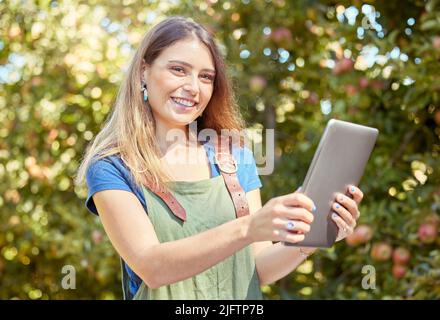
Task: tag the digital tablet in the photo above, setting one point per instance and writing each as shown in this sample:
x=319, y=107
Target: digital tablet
x=340, y=160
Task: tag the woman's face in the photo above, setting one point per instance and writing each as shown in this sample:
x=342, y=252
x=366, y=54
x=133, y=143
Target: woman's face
x=184, y=70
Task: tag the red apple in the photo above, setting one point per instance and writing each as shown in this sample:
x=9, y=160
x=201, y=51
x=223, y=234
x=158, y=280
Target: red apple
x=436, y=42
x=36, y=172
x=12, y=195
x=399, y=271
x=347, y=64
x=313, y=98
x=364, y=232
x=53, y=134
x=427, y=232
x=401, y=256
x=352, y=240
x=281, y=35
x=36, y=81
x=378, y=84
x=343, y=65
x=257, y=83
x=14, y=220
x=381, y=251
x=363, y=82
x=14, y=32
x=437, y=117
x=351, y=89
x=97, y=236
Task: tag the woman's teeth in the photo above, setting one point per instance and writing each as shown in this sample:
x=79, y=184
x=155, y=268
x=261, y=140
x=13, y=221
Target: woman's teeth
x=183, y=102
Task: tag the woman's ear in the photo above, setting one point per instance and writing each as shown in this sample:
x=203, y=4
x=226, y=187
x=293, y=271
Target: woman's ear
x=144, y=67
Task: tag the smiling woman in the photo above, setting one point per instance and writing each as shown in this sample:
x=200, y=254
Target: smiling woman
x=177, y=77
x=191, y=229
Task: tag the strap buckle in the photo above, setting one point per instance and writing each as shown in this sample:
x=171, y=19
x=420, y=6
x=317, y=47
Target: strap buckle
x=227, y=165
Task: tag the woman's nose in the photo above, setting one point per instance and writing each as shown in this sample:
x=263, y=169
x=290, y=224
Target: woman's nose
x=192, y=86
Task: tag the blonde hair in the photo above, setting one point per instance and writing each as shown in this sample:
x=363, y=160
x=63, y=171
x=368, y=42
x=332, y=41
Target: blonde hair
x=130, y=129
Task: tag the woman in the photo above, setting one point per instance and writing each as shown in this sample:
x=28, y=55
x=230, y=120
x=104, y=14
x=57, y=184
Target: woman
x=180, y=228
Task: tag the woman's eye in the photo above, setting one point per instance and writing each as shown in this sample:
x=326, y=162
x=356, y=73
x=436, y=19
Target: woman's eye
x=206, y=76
x=209, y=77
x=177, y=69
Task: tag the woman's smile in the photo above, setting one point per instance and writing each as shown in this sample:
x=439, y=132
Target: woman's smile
x=182, y=105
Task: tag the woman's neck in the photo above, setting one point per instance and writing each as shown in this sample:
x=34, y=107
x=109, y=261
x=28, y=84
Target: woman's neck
x=176, y=140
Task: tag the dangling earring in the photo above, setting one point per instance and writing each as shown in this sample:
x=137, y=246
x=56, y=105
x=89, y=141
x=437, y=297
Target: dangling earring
x=144, y=90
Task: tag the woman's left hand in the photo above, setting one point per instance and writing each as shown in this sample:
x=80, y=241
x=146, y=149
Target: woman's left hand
x=346, y=211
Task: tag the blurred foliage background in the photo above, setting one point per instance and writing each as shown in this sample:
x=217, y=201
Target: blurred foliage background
x=295, y=65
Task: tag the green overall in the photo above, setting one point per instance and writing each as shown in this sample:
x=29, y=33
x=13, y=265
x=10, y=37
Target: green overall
x=207, y=204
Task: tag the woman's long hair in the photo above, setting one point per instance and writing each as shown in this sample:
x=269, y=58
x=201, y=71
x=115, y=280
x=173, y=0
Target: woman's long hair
x=129, y=132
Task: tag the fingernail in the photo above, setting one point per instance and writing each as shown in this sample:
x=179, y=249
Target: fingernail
x=334, y=215
x=352, y=189
x=314, y=208
x=337, y=206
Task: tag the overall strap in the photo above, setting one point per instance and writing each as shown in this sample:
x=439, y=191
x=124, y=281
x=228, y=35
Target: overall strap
x=169, y=200
x=228, y=169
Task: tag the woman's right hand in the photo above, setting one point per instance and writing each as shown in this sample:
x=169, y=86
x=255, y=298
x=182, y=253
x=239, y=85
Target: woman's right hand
x=286, y=218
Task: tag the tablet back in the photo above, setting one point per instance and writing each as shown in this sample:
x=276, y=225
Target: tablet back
x=339, y=161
